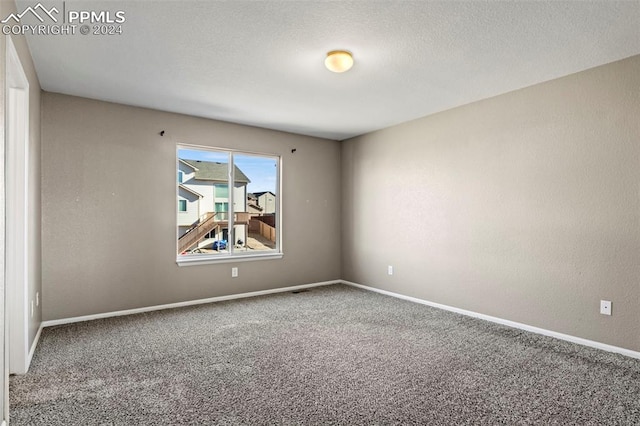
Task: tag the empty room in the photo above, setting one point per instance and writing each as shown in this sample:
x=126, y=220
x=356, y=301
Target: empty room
x=320, y=212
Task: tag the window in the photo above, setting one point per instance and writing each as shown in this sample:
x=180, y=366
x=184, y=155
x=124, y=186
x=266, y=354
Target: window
x=224, y=185
x=221, y=191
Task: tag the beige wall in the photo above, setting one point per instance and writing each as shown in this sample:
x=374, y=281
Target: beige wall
x=34, y=199
x=109, y=208
x=525, y=206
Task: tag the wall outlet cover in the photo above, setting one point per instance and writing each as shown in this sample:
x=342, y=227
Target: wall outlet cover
x=605, y=307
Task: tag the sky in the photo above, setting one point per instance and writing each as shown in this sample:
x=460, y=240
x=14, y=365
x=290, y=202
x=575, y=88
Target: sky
x=260, y=170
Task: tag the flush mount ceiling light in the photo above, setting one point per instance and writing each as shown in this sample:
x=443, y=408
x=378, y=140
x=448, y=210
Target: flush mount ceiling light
x=338, y=61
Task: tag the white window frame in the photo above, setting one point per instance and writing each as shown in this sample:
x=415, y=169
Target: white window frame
x=203, y=258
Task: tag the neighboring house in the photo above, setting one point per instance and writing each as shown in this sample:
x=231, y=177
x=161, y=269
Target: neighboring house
x=252, y=206
x=188, y=207
x=203, y=196
x=254, y=209
x=266, y=201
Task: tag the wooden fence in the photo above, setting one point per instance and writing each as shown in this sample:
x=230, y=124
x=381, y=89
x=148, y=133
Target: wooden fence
x=259, y=227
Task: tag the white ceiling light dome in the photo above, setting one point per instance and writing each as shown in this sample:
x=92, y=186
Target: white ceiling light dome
x=339, y=61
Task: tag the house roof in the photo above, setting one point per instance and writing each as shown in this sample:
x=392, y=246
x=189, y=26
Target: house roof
x=209, y=170
x=190, y=165
x=181, y=186
x=260, y=194
x=254, y=206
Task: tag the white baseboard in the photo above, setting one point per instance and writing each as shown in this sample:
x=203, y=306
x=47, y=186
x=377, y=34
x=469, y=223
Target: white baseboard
x=51, y=323
x=537, y=330
x=521, y=326
x=33, y=346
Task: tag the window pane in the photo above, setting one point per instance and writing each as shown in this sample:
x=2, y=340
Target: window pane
x=227, y=202
x=255, y=202
x=222, y=191
x=204, y=226
x=222, y=207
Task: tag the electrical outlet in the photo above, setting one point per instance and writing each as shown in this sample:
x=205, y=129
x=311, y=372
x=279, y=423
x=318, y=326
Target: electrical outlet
x=605, y=307
x=37, y=298
x=234, y=272
x=390, y=270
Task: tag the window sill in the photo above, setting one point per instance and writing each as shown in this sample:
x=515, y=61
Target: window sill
x=207, y=260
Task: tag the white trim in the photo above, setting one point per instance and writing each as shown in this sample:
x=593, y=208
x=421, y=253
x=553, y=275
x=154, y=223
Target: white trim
x=508, y=323
x=513, y=324
x=188, y=165
x=62, y=321
x=221, y=148
x=180, y=260
x=34, y=345
x=17, y=197
x=200, y=259
x=181, y=186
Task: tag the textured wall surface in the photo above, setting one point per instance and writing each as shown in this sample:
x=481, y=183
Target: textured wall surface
x=109, y=208
x=525, y=206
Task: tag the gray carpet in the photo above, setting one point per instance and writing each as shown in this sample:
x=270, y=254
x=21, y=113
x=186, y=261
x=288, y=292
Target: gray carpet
x=331, y=355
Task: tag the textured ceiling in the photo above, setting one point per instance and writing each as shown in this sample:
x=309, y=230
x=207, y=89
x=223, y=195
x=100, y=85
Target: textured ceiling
x=261, y=63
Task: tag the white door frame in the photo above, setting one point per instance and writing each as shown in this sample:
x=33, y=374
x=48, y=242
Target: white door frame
x=16, y=209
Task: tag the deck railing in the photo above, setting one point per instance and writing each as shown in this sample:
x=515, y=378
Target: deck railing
x=207, y=223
